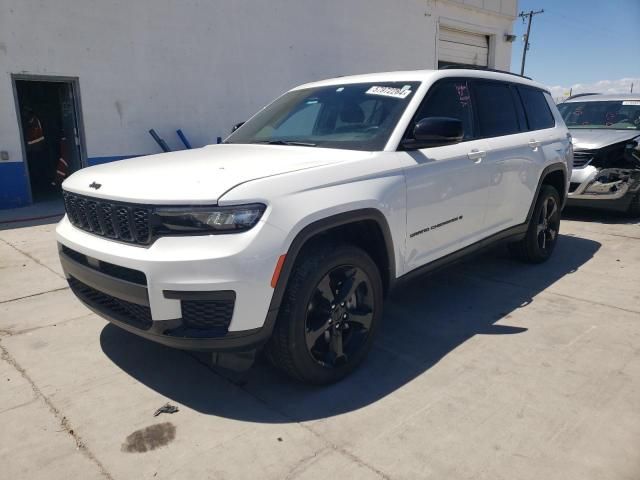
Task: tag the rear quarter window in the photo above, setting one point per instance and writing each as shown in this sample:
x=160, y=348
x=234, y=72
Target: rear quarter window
x=537, y=109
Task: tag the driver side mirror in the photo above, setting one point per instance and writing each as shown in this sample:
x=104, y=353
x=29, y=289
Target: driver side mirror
x=435, y=132
x=236, y=126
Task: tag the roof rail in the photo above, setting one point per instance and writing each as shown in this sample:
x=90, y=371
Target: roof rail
x=478, y=67
x=580, y=95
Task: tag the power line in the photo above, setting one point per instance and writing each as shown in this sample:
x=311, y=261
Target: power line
x=528, y=15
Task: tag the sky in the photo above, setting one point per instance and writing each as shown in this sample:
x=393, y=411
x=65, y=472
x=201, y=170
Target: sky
x=590, y=45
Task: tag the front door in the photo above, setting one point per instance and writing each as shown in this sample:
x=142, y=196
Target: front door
x=446, y=186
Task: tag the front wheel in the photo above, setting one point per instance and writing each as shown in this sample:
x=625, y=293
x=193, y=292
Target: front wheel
x=542, y=232
x=330, y=312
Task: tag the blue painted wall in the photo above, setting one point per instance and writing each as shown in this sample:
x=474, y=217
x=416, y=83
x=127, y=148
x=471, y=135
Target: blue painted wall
x=14, y=191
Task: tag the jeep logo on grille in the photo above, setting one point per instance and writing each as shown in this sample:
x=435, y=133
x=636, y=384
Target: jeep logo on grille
x=95, y=185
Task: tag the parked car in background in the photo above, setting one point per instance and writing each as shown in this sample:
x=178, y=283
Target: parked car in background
x=606, y=159
x=290, y=233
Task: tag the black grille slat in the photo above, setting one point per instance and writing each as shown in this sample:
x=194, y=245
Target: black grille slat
x=129, y=224
x=106, y=220
x=121, y=222
x=92, y=217
x=70, y=207
x=133, y=314
x=81, y=212
x=141, y=224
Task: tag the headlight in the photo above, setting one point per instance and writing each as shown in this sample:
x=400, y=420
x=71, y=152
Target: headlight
x=207, y=219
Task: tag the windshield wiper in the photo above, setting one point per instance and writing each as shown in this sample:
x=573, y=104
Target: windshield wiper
x=286, y=142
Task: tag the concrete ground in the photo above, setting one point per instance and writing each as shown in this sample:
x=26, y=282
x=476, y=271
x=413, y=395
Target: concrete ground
x=488, y=370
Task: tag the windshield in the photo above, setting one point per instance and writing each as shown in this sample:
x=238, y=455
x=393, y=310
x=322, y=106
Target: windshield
x=615, y=114
x=352, y=116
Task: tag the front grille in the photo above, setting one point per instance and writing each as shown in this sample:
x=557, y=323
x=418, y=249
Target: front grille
x=117, y=271
x=582, y=159
x=212, y=315
x=127, y=223
x=133, y=314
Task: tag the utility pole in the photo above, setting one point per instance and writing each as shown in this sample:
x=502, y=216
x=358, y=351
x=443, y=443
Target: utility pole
x=528, y=15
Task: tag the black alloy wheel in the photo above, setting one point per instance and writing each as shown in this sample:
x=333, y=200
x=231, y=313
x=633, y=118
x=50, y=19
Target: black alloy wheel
x=339, y=316
x=548, y=225
x=542, y=232
x=330, y=313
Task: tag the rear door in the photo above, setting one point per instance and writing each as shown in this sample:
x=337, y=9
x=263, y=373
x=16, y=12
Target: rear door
x=547, y=139
x=446, y=186
x=513, y=156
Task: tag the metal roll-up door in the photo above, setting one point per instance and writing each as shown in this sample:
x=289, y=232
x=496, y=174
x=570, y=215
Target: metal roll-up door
x=456, y=47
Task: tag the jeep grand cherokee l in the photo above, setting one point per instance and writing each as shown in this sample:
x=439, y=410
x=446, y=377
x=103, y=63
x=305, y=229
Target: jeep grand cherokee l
x=289, y=235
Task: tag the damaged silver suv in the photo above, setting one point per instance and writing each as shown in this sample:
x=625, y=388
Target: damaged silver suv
x=606, y=158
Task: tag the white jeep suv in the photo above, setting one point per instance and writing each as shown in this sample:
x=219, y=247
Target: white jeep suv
x=289, y=234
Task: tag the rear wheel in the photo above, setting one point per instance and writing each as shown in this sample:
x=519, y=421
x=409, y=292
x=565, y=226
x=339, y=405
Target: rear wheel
x=542, y=232
x=330, y=312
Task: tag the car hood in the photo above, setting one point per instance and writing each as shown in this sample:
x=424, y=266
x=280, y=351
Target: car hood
x=593, y=139
x=197, y=176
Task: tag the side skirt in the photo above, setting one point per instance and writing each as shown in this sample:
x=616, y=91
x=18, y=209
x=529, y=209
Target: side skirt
x=511, y=234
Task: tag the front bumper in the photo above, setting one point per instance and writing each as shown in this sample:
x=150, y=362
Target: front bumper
x=603, y=188
x=198, y=293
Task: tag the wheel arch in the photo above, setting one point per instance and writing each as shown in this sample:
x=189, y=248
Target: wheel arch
x=346, y=226
x=556, y=176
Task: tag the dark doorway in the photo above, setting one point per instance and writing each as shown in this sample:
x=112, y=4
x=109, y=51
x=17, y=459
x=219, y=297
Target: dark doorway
x=48, y=114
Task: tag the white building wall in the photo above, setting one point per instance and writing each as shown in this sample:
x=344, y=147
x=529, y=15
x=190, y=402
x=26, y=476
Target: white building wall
x=203, y=65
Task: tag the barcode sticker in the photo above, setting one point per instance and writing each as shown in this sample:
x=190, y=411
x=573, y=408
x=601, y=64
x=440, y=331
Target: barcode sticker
x=389, y=92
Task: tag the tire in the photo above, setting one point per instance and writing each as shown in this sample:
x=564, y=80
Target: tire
x=309, y=334
x=542, y=232
x=634, y=206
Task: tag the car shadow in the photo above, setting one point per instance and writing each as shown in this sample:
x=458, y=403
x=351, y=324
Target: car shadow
x=593, y=215
x=423, y=322
x=31, y=222
x=40, y=213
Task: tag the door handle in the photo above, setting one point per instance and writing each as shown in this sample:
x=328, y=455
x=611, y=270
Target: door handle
x=534, y=143
x=476, y=155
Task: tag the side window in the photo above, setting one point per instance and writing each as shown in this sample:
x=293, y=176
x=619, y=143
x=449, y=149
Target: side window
x=497, y=113
x=537, y=108
x=449, y=99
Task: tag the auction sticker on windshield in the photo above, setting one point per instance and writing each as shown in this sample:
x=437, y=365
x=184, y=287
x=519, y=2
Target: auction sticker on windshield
x=631, y=102
x=389, y=92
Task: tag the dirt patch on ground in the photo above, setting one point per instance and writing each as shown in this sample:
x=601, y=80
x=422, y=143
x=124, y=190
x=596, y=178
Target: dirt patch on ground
x=150, y=438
